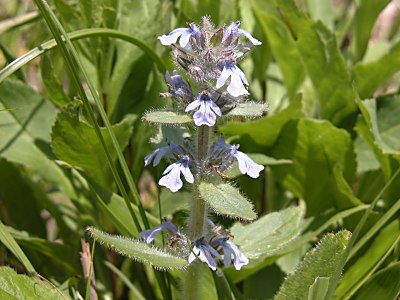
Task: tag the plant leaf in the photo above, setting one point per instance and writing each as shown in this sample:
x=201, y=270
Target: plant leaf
x=138, y=250
x=382, y=285
x=318, y=289
x=363, y=268
x=226, y=200
x=283, y=48
x=16, y=286
x=265, y=131
x=322, y=154
x=268, y=235
x=166, y=118
x=321, y=261
x=364, y=20
x=249, y=109
x=25, y=132
x=76, y=143
x=323, y=61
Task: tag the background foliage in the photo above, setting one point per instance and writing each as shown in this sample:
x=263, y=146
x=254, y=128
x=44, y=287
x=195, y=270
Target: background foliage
x=329, y=70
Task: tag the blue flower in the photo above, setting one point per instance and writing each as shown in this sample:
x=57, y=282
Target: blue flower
x=177, y=84
x=205, y=253
x=183, y=33
x=149, y=234
x=171, y=178
x=236, y=87
x=206, y=115
x=159, y=153
x=246, y=164
x=229, y=248
x=234, y=31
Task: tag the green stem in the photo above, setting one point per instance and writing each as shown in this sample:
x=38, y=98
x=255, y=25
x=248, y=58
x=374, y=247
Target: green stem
x=198, y=215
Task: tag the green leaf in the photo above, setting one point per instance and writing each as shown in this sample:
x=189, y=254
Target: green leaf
x=226, y=200
x=25, y=131
x=318, y=289
x=322, y=261
x=265, y=131
x=382, y=285
x=7, y=239
x=364, y=20
x=99, y=13
x=76, y=143
x=53, y=88
x=283, y=48
x=381, y=131
x=62, y=254
x=268, y=235
x=166, y=118
x=364, y=267
x=321, y=153
x=16, y=286
x=323, y=61
x=138, y=250
x=370, y=76
x=249, y=109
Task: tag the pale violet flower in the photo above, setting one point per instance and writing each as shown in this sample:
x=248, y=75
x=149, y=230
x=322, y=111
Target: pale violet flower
x=246, y=164
x=177, y=84
x=229, y=248
x=183, y=33
x=236, y=87
x=159, y=153
x=234, y=30
x=149, y=234
x=172, y=174
x=205, y=253
x=206, y=114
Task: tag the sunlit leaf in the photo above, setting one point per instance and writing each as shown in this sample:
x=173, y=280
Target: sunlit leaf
x=226, y=200
x=321, y=261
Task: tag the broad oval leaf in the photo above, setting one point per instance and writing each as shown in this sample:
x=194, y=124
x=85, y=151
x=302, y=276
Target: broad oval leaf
x=268, y=235
x=138, y=250
x=322, y=261
x=166, y=118
x=226, y=200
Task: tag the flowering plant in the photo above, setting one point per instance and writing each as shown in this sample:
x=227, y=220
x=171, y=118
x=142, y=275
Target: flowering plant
x=236, y=198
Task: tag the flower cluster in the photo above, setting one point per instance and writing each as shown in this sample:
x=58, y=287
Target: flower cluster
x=209, y=87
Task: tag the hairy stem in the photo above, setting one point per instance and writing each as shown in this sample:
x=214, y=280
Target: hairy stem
x=198, y=214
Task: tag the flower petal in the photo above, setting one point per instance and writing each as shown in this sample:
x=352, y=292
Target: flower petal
x=247, y=165
x=226, y=72
x=193, y=105
x=172, y=180
x=249, y=37
x=236, y=87
x=172, y=37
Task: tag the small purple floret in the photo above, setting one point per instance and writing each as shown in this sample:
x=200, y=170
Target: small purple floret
x=171, y=178
x=206, y=114
x=205, y=253
x=246, y=164
x=236, y=87
x=149, y=234
x=229, y=248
